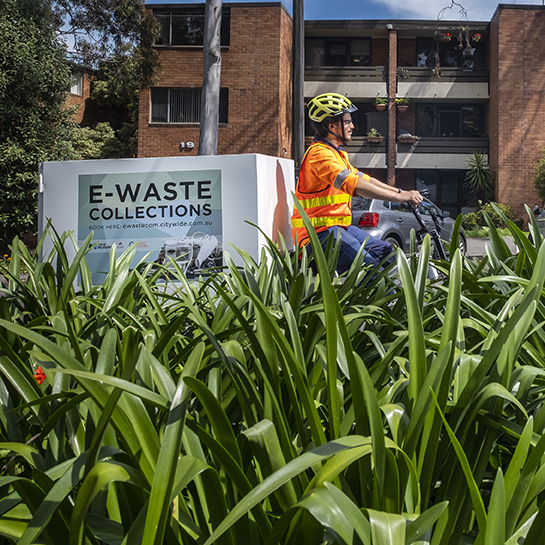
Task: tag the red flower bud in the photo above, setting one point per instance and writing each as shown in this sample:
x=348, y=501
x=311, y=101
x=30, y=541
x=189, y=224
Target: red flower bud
x=39, y=375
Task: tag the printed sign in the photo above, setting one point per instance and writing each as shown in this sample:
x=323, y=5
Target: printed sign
x=172, y=214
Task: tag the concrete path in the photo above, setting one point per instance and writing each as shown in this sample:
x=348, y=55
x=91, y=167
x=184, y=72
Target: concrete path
x=476, y=247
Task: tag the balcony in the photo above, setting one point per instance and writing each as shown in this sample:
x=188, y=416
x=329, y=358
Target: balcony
x=370, y=81
x=445, y=153
x=379, y=73
x=442, y=146
x=346, y=73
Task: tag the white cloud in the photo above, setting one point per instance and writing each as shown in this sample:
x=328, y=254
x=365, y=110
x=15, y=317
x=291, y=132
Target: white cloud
x=477, y=10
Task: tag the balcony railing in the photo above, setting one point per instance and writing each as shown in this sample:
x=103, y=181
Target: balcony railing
x=459, y=75
x=359, y=144
x=345, y=73
x=378, y=73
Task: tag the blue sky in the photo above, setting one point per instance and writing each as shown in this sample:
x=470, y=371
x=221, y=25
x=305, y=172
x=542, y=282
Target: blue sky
x=477, y=10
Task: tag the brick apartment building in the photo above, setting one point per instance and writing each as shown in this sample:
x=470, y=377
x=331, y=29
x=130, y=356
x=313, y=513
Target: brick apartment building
x=255, y=98
x=472, y=86
x=79, y=95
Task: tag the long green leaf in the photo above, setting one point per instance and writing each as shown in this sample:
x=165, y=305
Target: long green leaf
x=160, y=498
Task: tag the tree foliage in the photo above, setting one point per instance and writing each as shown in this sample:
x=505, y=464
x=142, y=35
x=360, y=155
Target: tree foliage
x=41, y=41
x=102, y=30
x=100, y=142
x=34, y=77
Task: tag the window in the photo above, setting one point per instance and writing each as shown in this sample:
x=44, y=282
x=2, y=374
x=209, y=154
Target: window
x=450, y=55
x=450, y=120
x=447, y=188
x=76, y=83
x=186, y=26
x=182, y=105
x=337, y=52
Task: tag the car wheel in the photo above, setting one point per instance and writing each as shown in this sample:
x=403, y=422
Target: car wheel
x=394, y=242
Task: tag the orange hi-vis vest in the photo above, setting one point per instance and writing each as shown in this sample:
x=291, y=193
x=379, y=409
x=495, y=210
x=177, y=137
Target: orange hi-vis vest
x=325, y=187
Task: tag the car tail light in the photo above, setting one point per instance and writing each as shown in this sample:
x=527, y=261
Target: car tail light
x=368, y=219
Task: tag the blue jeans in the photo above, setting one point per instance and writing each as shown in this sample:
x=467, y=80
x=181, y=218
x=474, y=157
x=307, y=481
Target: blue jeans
x=352, y=237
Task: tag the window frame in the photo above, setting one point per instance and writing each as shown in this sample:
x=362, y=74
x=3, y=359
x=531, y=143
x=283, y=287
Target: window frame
x=223, y=107
x=76, y=82
x=434, y=111
x=160, y=14
x=329, y=42
x=449, y=53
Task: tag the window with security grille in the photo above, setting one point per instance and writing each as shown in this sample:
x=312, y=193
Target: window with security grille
x=450, y=120
x=170, y=105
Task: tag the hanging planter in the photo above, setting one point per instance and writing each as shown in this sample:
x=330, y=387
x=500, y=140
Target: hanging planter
x=381, y=104
x=446, y=37
x=402, y=104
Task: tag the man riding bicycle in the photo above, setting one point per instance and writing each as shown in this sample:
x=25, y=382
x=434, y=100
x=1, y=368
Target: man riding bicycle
x=327, y=182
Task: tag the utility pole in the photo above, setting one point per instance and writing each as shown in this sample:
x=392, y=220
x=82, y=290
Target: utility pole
x=298, y=83
x=210, y=100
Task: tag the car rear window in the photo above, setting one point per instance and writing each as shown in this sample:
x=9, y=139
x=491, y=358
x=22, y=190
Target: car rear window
x=361, y=203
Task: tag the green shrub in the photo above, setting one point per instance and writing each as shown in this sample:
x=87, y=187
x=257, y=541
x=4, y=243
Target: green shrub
x=100, y=142
x=268, y=404
x=476, y=220
x=479, y=177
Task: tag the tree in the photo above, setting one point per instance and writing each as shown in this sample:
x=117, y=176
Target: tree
x=113, y=35
x=109, y=30
x=34, y=123
x=208, y=140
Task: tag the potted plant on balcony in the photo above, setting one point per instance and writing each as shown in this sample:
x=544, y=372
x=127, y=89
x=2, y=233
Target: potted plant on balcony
x=402, y=104
x=374, y=137
x=406, y=137
x=381, y=104
x=402, y=74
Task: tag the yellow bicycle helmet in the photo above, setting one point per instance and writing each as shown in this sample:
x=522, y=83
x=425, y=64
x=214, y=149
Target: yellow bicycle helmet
x=329, y=105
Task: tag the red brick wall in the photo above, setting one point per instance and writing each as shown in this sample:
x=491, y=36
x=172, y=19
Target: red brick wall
x=256, y=68
x=80, y=100
x=406, y=52
x=407, y=121
x=517, y=101
x=379, y=52
x=405, y=178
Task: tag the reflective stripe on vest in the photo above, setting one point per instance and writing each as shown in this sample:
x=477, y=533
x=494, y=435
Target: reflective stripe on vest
x=325, y=201
x=297, y=223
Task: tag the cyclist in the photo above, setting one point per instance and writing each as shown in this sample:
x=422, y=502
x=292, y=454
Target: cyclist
x=327, y=181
